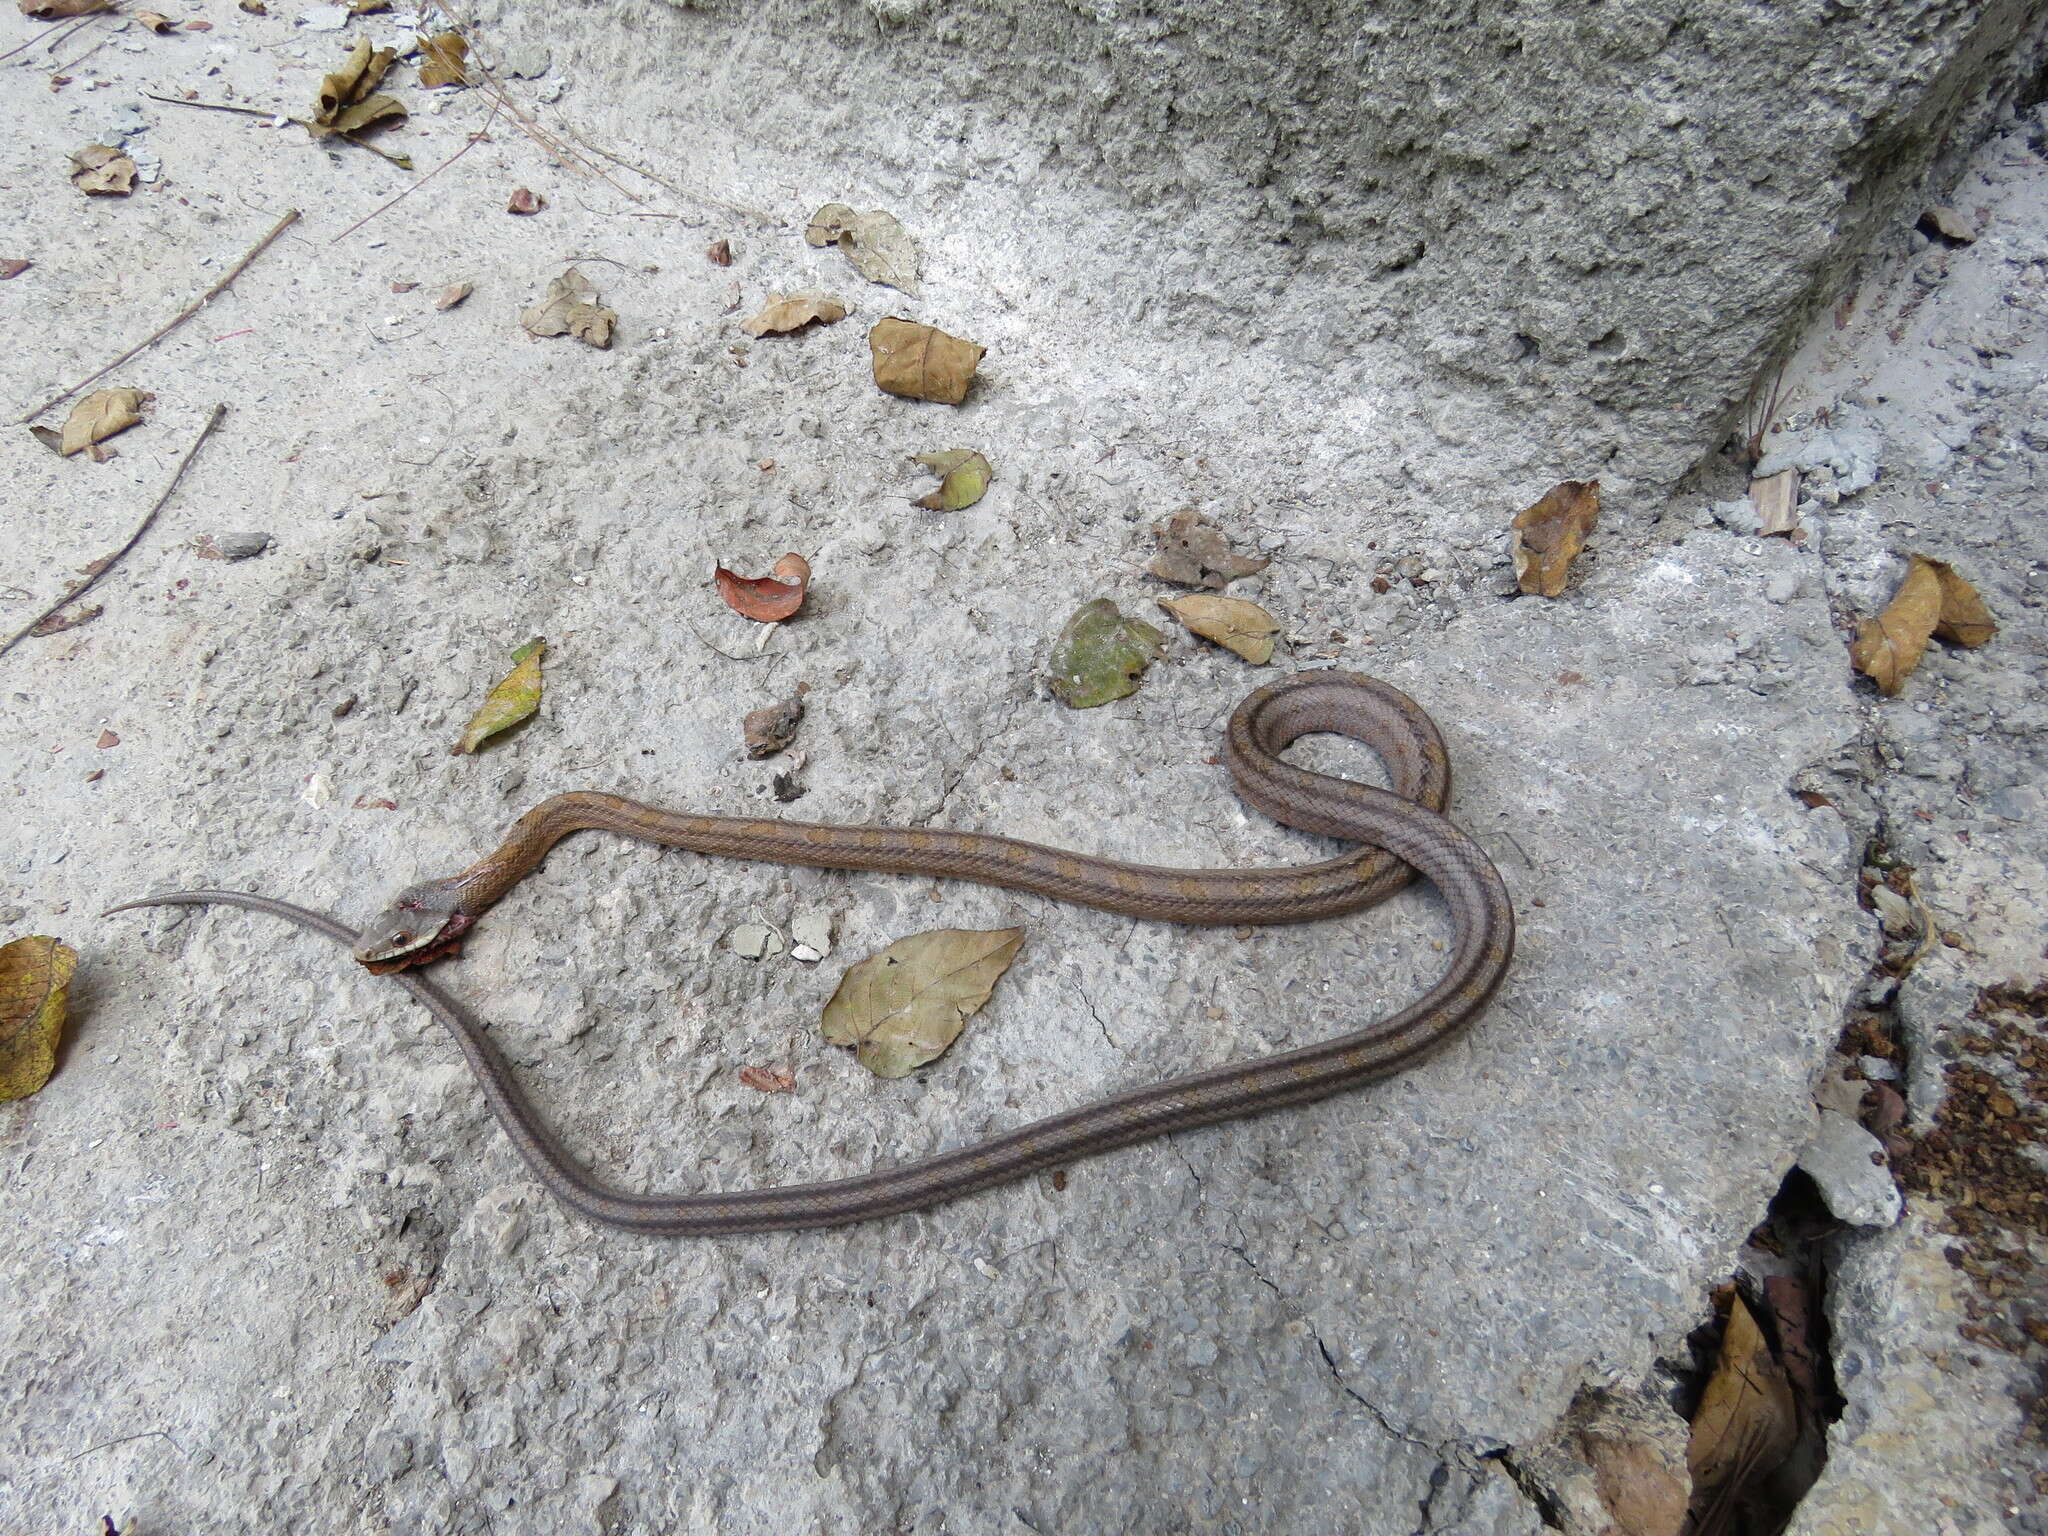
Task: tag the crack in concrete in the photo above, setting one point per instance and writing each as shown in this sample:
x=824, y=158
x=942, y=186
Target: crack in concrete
x=952, y=780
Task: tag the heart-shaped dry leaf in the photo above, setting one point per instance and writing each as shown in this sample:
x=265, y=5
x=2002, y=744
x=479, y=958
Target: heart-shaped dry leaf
x=1931, y=600
x=516, y=697
x=901, y=1008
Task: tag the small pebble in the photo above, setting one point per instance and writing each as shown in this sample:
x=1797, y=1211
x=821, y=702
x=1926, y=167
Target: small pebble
x=753, y=941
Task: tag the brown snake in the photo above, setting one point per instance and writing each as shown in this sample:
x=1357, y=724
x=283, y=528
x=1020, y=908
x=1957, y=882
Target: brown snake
x=1404, y=829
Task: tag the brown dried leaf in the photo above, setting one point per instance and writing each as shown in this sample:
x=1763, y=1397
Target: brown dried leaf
x=720, y=252
x=770, y=729
x=880, y=248
x=1747, y=1420
x=1193, y=552
x=902, y=1008
x=920, y=362
x=792, y=312
x=35, y=979
x=767, y=598
x=345, y=103
x=61, y=10
x=445, y=59
x=768, y=1079
x=156, y=21
x=453, y=295
x=1232, y=622
x=511, y=701
x=525, y=200
x=1964, y=620
x=99, y=416
x=571, y=309
x=1549, y=535
x=103, y=171
x=107, y=739
x=57, y=623
x=253, y=7
x=14, y=266
x=367, y=7
x=1931, y=600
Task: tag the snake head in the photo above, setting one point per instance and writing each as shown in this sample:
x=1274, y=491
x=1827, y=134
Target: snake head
x=424, y=922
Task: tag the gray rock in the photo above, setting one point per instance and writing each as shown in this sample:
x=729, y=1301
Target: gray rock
x=1854, y=1175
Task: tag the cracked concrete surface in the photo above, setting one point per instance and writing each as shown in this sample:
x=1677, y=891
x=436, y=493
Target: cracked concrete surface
x=272, y=1262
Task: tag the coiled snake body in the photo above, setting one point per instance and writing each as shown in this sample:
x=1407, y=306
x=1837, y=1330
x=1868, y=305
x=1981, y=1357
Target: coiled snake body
x=1404, y=831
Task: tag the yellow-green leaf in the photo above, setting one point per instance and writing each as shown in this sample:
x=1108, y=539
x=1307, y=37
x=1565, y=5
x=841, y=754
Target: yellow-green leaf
x=99, y=416
x=963, y=479
x=511, y=701
x=1100, y=654
x=1232, y=622
x=901, y=1008
x=35, y=975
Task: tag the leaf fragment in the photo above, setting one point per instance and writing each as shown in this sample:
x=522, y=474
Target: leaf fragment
x=102, y=171
x=525, y=200
x=784, y=313
x=770, y=729
x=35, y=980
x=14, y=266
x=902, y=1007
x=346, y=104
x=63, y=10
x=879, y=247
x=963, y=479
x=719, y=253
x=1232, y=622
x=770, y=598
x=571, y=309
x=156, y=21
x=1747, y=1420
x=444, y=60
x=768, y=1079
x=1549, y=535
x=99, y=416
x=453, y=295
x=1194, y=552
x=1932, y=601
x=1776, y=499
x=60, y=621
x=921, y=362
x=515, y=697
x=1100, y=655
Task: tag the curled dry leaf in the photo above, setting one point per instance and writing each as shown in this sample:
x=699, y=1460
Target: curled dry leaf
x=35, y=978
x=921, y=362
x=452, y=295
x=1100, y=654
x=1549, y=535
x=963, y=479
x=346, y=103
x=103, y=171
x=1194, y=552
x=720, y=253
x=156, y=21
x=444, y=60
x=901, y=1008
x=768, y=1079
x=769, y=598
x=515, y=698
x=525, y=200
x=773, y=727
x=571, y=309
x=99, y=416
x=880, y=248
x=1932, y=601
x=1232, y=622
x=792, y=312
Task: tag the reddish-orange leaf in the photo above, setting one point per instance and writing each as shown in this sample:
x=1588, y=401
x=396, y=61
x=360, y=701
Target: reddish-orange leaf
x=768, y=1079
x=767, y=598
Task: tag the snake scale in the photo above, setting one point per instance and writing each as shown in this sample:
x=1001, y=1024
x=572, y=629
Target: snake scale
x=1403, y=832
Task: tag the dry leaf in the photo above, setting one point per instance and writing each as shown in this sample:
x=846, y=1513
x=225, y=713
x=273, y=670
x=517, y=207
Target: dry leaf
x=571, y=309
x=60, y=10
x=1233, y=623
x=1776, y=499
x=1549, y=535
x=102, y=171
x=720, y=252
x=510, y=702
x=367, y=7
x=525, y=200
x=253, y=7
x=767, y=598
x=964, y=477
x=1193, y=552
x=452, y=295
x=445, y=60
x=768, y=1079
x=792, y=312
x=1949, y=224
x=198, y=26
x=1931, y=600
x=13, y=267
x=57, y=623
x=921, y=362
x=345, y=104
x=1100, y=654
x=107, y=739
x=768, y=730
x=880, y=249
x=1747, y=1420
x=35, y=976
x=156, y=21
x=902, y=1008
x=99, y=416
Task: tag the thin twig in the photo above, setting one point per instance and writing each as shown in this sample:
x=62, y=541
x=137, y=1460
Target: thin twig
x=217, y=106
x=291, y=217
x=703, y=199
x=106, y=565
x=474, y=140
x=403, y=162
x=74, y=22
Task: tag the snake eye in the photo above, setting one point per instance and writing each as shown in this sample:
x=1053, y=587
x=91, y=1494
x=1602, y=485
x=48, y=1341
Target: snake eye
x=403, y=936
